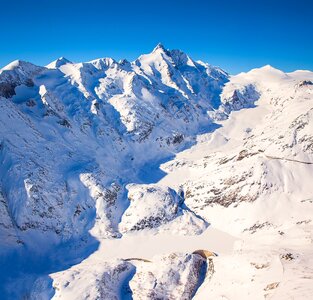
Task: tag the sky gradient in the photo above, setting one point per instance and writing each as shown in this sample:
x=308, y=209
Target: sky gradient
x=236, y=35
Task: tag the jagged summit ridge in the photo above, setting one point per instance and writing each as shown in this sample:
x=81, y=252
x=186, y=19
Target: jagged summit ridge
x=160, y=47
x=58, y=63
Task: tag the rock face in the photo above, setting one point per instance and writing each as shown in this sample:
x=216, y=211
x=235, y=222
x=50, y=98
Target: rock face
x=7, y=232
x=15, y=74
x=175, y=276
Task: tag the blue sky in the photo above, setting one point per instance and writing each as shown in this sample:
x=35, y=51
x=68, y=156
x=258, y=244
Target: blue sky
x=236, y=35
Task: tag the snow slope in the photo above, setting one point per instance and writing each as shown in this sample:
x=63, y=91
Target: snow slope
x=117, y=178
x=256, y=172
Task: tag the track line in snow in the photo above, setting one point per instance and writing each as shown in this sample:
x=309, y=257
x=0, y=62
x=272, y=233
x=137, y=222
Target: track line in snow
x=289, y=159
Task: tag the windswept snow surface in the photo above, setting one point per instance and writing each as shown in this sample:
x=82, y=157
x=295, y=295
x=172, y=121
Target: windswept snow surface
x=162, y=178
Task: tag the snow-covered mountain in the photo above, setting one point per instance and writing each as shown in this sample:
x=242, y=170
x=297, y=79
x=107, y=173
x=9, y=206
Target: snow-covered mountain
x=85, y=130
x=161, y=178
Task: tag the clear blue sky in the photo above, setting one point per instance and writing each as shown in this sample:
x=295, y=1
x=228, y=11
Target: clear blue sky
x=235, y=34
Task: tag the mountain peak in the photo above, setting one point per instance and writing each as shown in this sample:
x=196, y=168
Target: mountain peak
x=268, y=67
x=16, y=64
x=268, y=72
x=58, y=63
x=159, y=46
x=178, y=57
x=21, y=68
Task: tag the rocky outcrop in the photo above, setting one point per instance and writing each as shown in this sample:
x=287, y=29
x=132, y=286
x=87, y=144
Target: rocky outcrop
x=108, y=280
x=152, y=206
x=174, y=276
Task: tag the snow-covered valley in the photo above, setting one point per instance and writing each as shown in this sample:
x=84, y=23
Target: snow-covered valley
x=162, y=178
